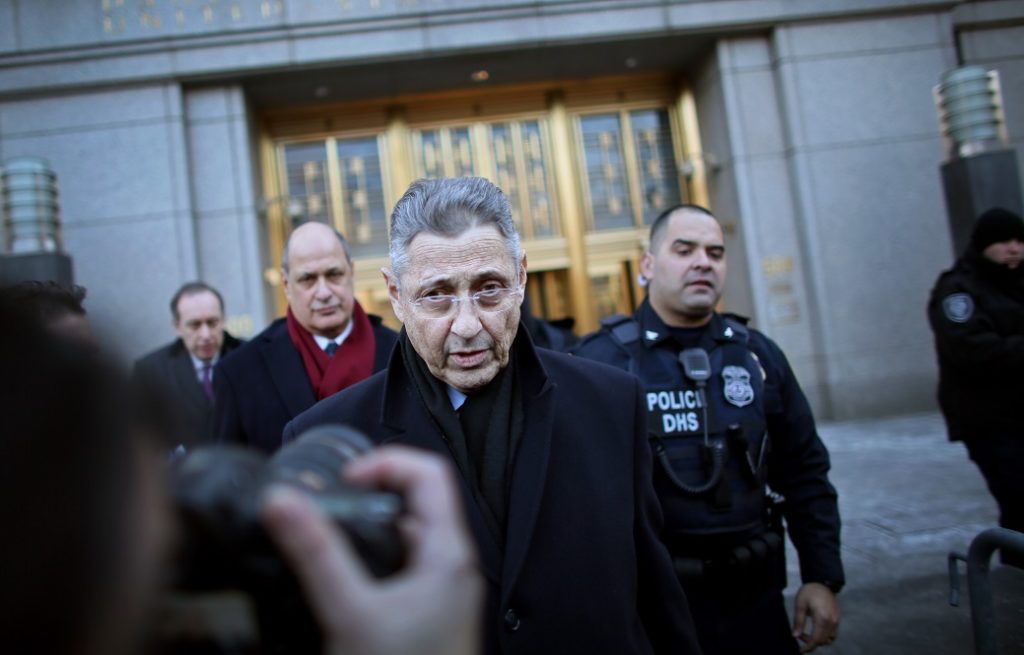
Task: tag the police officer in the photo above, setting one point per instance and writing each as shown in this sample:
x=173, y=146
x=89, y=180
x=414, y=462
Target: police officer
x=735, y=447
x=977, y=314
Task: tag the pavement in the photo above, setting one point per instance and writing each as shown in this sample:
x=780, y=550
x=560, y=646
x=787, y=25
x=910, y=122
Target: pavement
x=907, y=497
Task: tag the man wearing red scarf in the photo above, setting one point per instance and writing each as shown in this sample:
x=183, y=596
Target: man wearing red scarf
x=324, y=344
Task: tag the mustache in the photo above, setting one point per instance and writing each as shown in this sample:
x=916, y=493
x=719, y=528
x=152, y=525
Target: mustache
x=460, y=346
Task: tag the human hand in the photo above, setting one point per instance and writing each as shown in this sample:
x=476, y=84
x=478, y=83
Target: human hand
x=431, y=607
x=817, y=603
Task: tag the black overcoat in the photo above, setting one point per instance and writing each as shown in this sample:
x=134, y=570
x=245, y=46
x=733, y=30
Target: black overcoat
x=169, y=371
x=263, y=385
x=582, y=570
x=976, y=311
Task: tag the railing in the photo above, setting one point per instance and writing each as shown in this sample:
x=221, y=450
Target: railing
x=979, y=586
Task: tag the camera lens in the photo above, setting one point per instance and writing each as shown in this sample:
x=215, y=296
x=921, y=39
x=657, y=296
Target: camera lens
x=314, y=461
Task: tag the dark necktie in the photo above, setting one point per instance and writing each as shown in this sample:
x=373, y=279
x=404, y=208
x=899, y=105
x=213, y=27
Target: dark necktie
x=331, y=349
x=206, y=379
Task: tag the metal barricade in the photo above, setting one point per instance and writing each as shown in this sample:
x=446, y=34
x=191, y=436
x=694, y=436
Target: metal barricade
x=979, y=586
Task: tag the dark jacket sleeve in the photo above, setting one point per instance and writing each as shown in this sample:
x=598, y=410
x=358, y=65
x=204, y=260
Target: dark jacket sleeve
x=662, y=604
x=973, y=344
x=798, y=469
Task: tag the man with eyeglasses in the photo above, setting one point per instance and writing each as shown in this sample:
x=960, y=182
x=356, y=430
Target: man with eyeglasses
x=554, y=467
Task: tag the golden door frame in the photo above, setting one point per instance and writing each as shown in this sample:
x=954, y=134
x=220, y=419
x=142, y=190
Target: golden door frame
x=565, y=268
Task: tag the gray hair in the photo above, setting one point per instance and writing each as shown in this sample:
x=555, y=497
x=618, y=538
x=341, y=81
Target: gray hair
x=448, y=207
x=288, y=243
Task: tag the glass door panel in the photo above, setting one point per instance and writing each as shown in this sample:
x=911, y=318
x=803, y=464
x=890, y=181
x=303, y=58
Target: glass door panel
x=515, y=157
x=605, y=166
x=656, y=162
x=631, y=173
x=444, y=152
x=306, y=177
x=363, y=217
x=537, y=185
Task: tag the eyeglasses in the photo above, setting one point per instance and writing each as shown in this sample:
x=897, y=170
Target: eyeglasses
x=446, y=306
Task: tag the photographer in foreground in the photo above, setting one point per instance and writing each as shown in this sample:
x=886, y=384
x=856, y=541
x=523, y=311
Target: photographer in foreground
x=87, y=524
x=431, y=607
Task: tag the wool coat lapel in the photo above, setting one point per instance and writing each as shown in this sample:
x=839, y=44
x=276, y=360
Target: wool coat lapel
x=185, y=381
x=528, y=479
x=406, y=417
x=289, y=376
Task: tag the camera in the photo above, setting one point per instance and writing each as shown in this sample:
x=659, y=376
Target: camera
x=231, y=592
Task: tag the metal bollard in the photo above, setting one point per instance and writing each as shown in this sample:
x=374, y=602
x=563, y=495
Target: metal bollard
x=979, y=586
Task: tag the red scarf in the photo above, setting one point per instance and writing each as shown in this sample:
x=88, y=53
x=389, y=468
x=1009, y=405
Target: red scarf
x=352, y=362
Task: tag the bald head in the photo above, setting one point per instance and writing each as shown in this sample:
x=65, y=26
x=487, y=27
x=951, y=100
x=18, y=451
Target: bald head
x=317, y=274
x=311, y=229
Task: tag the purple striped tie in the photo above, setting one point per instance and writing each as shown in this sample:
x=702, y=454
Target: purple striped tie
x=207, y=380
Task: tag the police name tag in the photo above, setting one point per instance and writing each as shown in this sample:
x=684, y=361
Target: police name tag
x=674, y=412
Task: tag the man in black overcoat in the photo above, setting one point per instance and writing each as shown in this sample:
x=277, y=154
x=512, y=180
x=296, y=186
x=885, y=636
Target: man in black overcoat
x=325, y=343
x=181, y=372
x=555, y=470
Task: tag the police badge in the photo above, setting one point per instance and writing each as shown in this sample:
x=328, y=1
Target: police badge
x=737, y=389
x=958, y=307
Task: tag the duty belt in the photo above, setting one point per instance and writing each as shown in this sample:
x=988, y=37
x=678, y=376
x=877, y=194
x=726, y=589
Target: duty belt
x=753, y=556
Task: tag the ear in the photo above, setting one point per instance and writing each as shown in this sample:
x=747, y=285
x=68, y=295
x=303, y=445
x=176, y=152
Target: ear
x=647, y=265
x=397, y=306
x=522, y=270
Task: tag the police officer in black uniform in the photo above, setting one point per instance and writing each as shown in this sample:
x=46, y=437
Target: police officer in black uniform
x=977, y=314
x=736, y=450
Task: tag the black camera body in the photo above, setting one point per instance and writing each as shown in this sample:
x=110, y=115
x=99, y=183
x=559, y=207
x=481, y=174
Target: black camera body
x=223, y=547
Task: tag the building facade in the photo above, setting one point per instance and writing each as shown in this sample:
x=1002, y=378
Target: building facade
x=189, y=136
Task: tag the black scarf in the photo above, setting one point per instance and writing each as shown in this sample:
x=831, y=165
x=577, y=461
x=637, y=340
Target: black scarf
x=482, y=435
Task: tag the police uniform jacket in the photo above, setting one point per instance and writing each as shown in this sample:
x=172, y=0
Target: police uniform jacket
x=264, y=384
x=977, y=316
x=797, y=461
x=582, y=569
x=169, y=372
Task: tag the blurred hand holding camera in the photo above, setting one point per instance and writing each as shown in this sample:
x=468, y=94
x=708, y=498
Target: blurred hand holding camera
x=431, y=607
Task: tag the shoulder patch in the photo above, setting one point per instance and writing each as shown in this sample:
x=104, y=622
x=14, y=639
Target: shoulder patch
x=958, y=307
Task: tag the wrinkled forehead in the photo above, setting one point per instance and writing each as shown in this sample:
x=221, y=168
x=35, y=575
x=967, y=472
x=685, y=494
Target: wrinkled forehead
x=312, y=242
x=479, y=253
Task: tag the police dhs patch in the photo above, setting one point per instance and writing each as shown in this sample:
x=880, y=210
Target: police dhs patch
x=737, y=389
x=958, y=307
